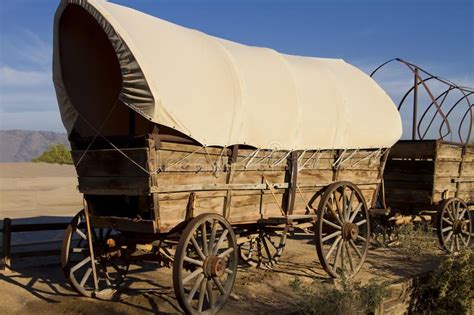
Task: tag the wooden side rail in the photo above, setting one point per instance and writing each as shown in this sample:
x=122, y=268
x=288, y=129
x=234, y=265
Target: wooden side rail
x=9, y=228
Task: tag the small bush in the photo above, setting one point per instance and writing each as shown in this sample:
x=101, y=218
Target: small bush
x=56, y=153
x=447, y=290
x=351, y=298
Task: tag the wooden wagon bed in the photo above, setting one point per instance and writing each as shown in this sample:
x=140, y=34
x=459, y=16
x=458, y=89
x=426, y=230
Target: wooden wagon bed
x=419, y=175
x=179, y=181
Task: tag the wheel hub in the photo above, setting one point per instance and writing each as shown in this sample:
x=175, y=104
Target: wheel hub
x=459, y=227
x=350, y=231
x=214, y=266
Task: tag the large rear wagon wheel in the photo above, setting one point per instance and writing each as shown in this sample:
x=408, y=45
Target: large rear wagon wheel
x=111, y=260
x=454, y=225
x=342, y=230
x=205, y=264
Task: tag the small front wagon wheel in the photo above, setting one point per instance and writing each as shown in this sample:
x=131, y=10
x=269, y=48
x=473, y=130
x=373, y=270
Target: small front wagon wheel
x=111, y=259
x=342, y=230
x=454, y=225
x=205, y=264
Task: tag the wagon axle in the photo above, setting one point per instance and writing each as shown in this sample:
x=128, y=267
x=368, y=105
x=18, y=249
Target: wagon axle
x=350, y=231
x=214, y=266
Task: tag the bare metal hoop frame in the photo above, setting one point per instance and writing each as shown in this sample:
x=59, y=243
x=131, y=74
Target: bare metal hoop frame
x=421, y=77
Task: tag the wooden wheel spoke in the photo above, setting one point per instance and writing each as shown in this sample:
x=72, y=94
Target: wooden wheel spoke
x=448, y=237
x=267, y=250
x=338, y=253
x=356, y=211
x=227, y=252
x=449, y=228
x=345, y=207
x=363, y=239
x=461, y=215
x=340, y=211
x=330, y=236
x=450, y=212
x=81, y=234
x=195, y=287
x=447, y=221
x=220, y=241
x=219, y=285
x=192, y=275
x=325, y=221
x=193, y=261
x=85, y=277
x=361, y=222
x=333, y=246
x=213, y=235
x=198, y=248
x=202, y=293
x=80, y=264
x=204, y=238
x=354, y=246
x=210, y=295
x=78, y=250
x=349, y=256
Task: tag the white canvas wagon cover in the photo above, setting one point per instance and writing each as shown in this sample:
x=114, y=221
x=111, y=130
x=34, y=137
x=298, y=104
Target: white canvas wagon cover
x=217, y=91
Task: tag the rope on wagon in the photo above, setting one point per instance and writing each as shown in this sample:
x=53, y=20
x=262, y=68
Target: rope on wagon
x=282, y=159
x=308, y=208
x=348, y=158
x=336, y=163
x=368, y=156
x=97, y=131
x=183, y=158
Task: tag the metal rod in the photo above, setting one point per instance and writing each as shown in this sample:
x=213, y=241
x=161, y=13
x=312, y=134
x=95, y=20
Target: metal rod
x=415, y=106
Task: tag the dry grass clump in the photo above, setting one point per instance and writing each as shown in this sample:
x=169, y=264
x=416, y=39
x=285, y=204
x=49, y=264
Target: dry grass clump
x=351, y=298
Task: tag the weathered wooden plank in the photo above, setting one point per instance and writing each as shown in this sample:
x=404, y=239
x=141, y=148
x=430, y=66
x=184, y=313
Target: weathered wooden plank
x=358, y=176
x=467, y=169
x=409, y=167
x=448, y=152
x=114, y=185
x=314, y=177
x=189, y=178
x=189, y=148
x=111, y=162
x=214, y=187
x=124, y=224
x=447, y=168
x=413, y=150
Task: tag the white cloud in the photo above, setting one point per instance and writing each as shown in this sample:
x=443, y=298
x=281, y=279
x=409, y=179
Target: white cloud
x=10, y=77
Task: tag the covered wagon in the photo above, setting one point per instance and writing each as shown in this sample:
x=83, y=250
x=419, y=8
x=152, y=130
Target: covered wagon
x=192, y=150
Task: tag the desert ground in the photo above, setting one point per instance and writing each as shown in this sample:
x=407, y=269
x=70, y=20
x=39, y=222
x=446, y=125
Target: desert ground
x=40, y=192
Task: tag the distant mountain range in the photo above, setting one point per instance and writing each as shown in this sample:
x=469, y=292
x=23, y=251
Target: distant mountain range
x=24, y=145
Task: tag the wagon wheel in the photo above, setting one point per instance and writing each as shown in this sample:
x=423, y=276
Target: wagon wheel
x=454, y=225
x=111, y=261
x=265, y=248
x=205, y=264
x=342, y=230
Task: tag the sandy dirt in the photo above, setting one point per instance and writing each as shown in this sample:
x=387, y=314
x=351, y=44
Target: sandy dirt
x=37, y=285
x=29, y=190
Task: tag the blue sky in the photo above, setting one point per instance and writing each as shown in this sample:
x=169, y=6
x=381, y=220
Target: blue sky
x=438, y=35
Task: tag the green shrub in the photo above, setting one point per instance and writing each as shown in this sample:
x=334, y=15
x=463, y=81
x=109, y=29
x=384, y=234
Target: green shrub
x=351, y=298
x=447, y=290
x=56, y=153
